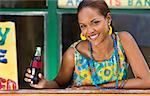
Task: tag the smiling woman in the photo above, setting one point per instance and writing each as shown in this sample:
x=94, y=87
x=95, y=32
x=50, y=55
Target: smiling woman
x=102, y=58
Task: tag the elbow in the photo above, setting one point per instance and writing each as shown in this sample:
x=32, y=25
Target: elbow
x=146, y=82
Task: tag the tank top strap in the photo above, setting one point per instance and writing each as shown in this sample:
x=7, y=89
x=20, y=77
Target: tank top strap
x=90, y=49
x=75, y=44
x=121, y=50
x=120, y=47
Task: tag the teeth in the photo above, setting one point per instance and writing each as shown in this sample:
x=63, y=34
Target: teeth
x=94, y=36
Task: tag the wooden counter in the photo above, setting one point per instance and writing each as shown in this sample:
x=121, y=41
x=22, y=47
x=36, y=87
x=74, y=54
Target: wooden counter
x=70, y=92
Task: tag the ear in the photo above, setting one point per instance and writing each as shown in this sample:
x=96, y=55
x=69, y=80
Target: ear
x=108, y=17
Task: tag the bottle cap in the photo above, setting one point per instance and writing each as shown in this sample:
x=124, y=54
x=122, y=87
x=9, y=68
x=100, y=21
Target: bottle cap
x=38, y=51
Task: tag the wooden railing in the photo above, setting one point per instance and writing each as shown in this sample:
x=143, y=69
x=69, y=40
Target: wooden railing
x=70, y=92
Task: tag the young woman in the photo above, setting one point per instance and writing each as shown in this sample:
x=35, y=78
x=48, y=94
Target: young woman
x=102, y=58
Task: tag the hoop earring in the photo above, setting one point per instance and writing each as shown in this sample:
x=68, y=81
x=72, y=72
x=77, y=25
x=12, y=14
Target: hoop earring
x=110, y=30
x=82, y=37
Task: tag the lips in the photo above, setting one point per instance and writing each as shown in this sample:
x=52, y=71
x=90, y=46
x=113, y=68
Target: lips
x=93, y=37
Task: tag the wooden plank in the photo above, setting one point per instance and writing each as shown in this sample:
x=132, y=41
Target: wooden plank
x=75, y=94
x=75, y=91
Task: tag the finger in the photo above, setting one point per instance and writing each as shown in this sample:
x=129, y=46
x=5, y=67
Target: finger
x=27, y=80
x=28, y=70
x=35, y=86
x=69, y=88
x=75, y=88
x=41, y=76
x=28, y=75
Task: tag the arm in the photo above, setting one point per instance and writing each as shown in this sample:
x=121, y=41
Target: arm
x=63, y=77
x=137, y=63
x=67, y=67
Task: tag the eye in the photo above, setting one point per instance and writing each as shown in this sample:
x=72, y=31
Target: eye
x=82, y=26
x=95, y=22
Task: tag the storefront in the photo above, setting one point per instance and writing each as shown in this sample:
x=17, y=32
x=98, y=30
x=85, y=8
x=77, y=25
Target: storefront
x=52, y=24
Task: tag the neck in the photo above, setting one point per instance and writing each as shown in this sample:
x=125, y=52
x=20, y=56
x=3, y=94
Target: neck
x=104, y=47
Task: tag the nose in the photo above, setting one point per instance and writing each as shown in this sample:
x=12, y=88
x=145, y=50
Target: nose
x=90, y=30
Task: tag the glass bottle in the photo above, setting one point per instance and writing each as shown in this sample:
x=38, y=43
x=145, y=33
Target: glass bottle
x=36, y=65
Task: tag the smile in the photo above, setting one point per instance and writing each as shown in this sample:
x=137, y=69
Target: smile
x=93, y=37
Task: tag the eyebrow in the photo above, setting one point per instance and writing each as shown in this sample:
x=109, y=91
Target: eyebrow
x=91, y=20
x=81, y=23
x=94, y=19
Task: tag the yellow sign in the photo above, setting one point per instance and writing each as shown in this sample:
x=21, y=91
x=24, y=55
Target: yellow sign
x=138, y=4
x=8, y=57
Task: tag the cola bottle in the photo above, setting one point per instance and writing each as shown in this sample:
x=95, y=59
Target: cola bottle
x=36, y=65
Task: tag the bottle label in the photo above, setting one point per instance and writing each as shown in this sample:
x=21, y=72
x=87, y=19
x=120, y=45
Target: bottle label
x=36, y=64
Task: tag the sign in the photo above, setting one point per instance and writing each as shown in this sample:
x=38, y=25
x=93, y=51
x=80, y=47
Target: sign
x=127, y=4
x=8, y=57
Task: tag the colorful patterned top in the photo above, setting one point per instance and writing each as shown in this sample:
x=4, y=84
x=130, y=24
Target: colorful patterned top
x=105, y=71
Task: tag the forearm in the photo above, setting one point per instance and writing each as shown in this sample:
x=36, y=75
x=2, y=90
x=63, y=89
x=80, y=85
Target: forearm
x=51, y=84
x=135, y=83
x=129, y=83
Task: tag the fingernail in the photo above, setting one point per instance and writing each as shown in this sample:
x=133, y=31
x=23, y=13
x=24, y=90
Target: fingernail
x=29, y=71
x=31, y=76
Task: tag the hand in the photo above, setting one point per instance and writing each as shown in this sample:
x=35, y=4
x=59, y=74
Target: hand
x=41, y=84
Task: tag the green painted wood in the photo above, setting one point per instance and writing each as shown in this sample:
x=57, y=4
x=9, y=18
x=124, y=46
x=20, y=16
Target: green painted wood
x=53, y=42
x=130, y=11
x=22, y=9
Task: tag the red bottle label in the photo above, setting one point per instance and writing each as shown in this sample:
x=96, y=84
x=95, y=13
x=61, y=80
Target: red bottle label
x=37, y=64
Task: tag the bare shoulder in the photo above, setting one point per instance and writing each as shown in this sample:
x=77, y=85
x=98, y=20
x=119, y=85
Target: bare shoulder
x=82, y=44
x=126, y=39
x=125, y=36
x=69, y=54
x=82, y=47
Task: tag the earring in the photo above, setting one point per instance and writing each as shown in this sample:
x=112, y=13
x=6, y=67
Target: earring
x=82, y=37
x=110, y=30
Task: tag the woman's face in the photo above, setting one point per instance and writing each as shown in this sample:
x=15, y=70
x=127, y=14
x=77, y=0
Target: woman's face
x=93, y=25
